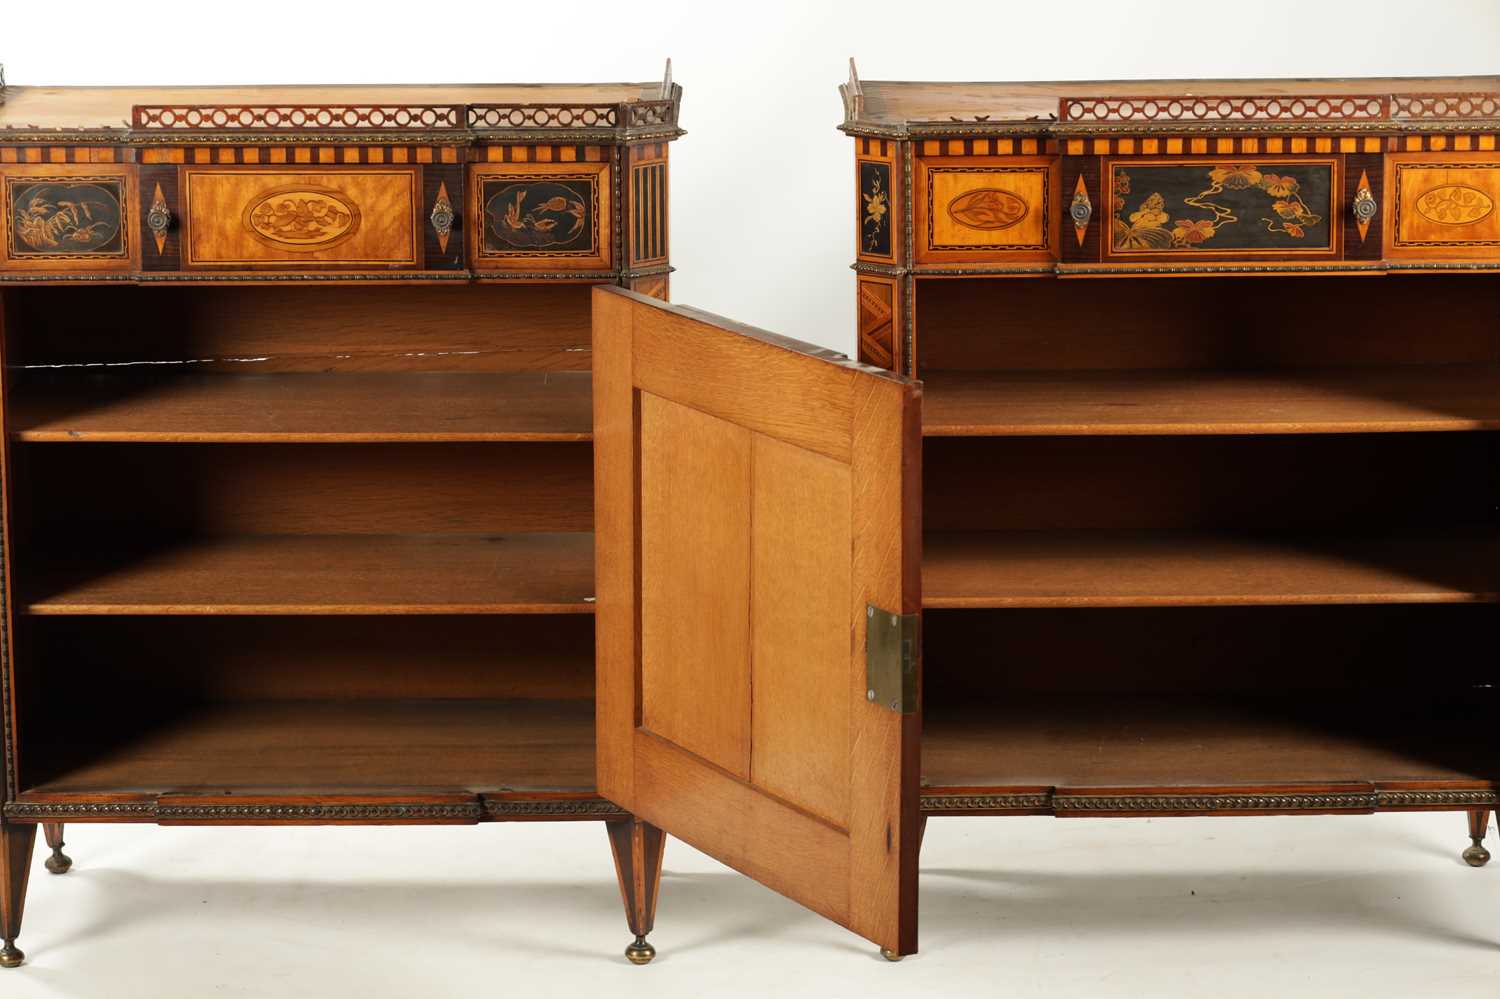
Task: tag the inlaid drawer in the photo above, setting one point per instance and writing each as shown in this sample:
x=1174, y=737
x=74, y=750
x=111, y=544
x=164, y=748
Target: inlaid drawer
x=1254, y=209
x=541, y=217
x=1443, y=206
x=250, y=218
x=68, y=217
x=985, y=209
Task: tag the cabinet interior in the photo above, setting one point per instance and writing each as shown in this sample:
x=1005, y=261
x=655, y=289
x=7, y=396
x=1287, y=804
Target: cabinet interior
x=301, y=538
x=1208, y=532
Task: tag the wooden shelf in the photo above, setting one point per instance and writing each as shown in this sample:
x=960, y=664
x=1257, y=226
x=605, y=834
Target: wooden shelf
x=1101, y=568
x=327, y=574
x=476, y=745
x=1305, y=401
x=313, y=408
x=1075, y=741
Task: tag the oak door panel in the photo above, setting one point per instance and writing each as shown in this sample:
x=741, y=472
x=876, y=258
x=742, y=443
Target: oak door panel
x=695, y=672
x=800, y=583
x=756, y=497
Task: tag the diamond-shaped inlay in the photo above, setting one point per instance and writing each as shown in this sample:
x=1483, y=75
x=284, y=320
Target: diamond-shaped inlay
x=442, y=217
x=159, y=220
x=1364, y=205
x=1081, y=209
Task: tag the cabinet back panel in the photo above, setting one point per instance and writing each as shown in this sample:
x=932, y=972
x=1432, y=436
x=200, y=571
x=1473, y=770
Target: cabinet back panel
x=1207, y=322
x=969, y=654
x=1324, y=482
x=240, y=329
x=76, y=490
x=191, y=660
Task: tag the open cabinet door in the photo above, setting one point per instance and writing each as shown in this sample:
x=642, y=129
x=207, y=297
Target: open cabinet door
x=756, y=508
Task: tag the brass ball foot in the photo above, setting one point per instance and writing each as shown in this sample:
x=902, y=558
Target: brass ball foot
x=59, y=862
x=889, y=955
x=11, y=956
x=640, y=952
x=1476, y=855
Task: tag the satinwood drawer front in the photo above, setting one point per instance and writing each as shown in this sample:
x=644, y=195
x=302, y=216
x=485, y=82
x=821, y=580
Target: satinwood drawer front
x=1443, y=205
x=68, y=217
x=1218, y=209
x=253, y=218
x=989, y=209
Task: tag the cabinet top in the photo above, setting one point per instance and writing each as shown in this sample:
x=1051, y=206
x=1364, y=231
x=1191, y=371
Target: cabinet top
x=899, y=109
x=449, y=112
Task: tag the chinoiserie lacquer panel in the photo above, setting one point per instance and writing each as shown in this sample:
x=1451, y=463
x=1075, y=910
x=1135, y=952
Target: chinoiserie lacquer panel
x=985, y=208
x=250, y=218
x=67, y=217
x=875, y=210
x=542, y=216
x=1248, y=208
x=1443, y=204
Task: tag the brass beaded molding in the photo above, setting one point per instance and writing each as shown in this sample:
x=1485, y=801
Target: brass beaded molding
x=985, y=802
x=465, y=811
x=598, y=807
x=1193, y=802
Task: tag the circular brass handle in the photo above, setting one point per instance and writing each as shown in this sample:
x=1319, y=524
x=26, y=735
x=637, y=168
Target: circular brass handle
x=1364, y=206
x=442, y=217
x=159, y=219
x=1081, y=209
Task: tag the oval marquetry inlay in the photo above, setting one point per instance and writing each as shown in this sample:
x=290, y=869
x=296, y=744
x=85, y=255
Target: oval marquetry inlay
x=302, y=218
x=1455, y=204
x=987, y=208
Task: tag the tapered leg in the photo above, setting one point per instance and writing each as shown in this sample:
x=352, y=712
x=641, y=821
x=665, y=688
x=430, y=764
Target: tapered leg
x=1477, y=855
x=637, y=848
x=16, y=842
x=59, y=862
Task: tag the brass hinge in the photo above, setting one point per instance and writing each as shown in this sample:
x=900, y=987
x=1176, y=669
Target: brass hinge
x=892, y=644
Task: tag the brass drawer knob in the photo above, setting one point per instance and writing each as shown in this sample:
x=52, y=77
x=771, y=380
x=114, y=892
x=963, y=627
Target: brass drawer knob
x=1081, y=209
x=1364, y=206
x=159, y=218
x=442, y=215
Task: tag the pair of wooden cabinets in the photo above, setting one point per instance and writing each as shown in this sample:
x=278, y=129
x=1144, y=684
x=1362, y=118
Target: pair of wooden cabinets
x=303, y=523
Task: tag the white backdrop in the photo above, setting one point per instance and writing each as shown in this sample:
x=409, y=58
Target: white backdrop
x=762, y=186
x=762, y=221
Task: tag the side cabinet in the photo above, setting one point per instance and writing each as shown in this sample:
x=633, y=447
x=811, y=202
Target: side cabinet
x=296, y=456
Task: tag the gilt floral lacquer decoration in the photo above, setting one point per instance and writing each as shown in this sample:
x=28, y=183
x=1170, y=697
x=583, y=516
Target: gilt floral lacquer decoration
x=1217, y=207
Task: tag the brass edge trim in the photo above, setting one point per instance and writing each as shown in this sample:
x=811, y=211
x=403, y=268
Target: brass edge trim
x=1435, y=799
x=986, y=802
x=651, y=271
x=884, y=270
x=985, y=269
x=508, y=808
x=465, y=137
x=1291, y=801
x=305, y=277
x=1071, y=130
x=1443, y=265
x=393, y=810
x=8, y=735
x=74, y=810
x=908, y=257
x=1225, y=268
x=1215, y=802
